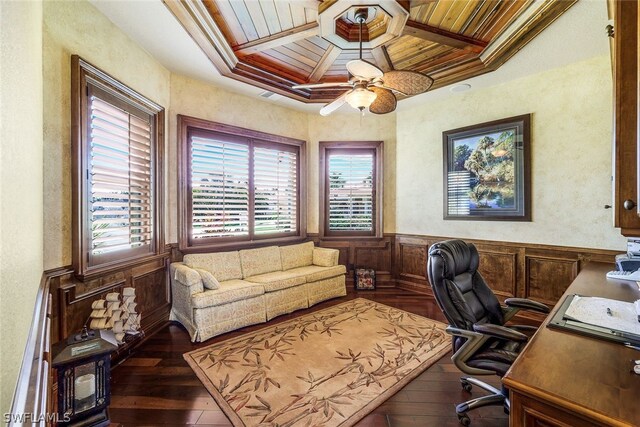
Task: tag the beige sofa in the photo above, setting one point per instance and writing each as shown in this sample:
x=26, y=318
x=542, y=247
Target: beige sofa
x=255, y=285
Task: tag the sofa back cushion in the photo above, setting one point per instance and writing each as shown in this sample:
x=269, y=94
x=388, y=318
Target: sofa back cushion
x=260, y=261
x=294, y=256
x=223, y=265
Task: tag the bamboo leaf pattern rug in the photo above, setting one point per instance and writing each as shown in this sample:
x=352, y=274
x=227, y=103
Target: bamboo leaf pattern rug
x=327, y=368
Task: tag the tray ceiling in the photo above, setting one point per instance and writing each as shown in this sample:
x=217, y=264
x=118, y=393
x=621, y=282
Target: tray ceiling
x=275, y=44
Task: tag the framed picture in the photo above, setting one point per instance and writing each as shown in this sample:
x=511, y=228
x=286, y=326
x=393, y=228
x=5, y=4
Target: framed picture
x=364, y=279
x=487, y=171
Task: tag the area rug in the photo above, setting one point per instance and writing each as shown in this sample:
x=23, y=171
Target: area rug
x=327, y=368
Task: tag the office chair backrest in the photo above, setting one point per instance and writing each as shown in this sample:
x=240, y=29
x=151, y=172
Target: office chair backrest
x=459, y=289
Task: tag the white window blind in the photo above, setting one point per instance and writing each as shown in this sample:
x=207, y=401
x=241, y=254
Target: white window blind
x=351, y=192
x=276, y=189
x=120, y=183
x=220, y=188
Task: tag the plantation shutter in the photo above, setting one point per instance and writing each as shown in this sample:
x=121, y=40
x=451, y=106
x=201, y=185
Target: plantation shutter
x=351, y=192
x=276, y=188
x=120, y=179
x=219, y=187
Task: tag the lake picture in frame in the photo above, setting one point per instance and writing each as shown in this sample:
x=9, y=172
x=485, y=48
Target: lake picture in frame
x=487, y=171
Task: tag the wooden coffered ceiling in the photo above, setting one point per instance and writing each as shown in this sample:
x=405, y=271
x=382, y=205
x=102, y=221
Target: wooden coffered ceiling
x=275, y=44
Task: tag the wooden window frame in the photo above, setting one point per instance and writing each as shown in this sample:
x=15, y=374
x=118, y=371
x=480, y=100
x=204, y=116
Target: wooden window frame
x=188, y=125
x=351, y=146
x=85, y=76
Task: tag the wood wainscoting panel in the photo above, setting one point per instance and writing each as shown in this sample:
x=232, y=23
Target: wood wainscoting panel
x=547, y=278
x=154, y=300
x=411, y=263
x=500, y=269
x=363, y=253
x=72, y=298
x=523, y=270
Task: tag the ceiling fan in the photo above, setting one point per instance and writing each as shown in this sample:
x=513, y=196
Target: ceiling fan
x=370, y=86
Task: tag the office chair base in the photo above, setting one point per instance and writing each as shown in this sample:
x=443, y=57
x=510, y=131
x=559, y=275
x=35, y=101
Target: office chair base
x=497, y=397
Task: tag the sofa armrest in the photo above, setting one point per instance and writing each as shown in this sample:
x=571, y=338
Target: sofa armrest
x=325, y=257
x=185, y=276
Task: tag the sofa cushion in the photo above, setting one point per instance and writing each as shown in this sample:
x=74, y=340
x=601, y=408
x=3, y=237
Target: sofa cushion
x=313, y=273
x=229, y=291
x=325, y=257
x=185, y=275
x=260, y=261
x=208, y=280
x=277, y=280
x=223, y=265
x=294, y=256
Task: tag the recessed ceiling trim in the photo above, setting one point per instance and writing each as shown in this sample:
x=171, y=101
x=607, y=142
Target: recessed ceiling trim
x=285, y=59
x=198, y=12
x=538, y=16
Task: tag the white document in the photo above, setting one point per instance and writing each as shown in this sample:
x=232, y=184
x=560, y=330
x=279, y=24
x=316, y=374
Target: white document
x=606, y=313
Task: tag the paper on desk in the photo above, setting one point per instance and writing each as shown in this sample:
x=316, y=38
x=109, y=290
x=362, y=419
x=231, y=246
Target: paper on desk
x=593, y=310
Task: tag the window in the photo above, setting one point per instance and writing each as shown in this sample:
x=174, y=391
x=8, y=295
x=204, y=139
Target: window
x=116, y=156
x=238, y=185
x=351, y=189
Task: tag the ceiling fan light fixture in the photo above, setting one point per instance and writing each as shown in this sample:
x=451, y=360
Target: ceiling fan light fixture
x=360, y=98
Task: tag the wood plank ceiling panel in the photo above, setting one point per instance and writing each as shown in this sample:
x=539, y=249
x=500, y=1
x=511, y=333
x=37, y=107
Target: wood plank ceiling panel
x=511, y=10
x=443, y=60
x=257, y=18
x=313, y=56
x=439, y=13
x=271, y=16
x=482, y=13
x=244, y=18
x=423, y=12
x=294, y=57
x=227, y=21
x=314, y=44
x=284, y=14
x=458, y=14
x=266, y=62
x=284, y=61
x=407, y=47
x=297, y=14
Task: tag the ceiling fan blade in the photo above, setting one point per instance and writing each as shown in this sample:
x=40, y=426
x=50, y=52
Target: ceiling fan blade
x=335, y=104
x=407, y=82
x=364, y=69
x=385, y=101
x=321, y=85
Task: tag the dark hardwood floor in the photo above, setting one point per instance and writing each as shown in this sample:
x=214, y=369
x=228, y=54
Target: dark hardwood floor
x=155, y=386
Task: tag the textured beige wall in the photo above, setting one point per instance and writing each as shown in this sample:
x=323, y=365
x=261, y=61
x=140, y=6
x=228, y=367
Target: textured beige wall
x=76, y=27
x=571, y=158
x=20, y=183
x=349, y=127
x=194, y=98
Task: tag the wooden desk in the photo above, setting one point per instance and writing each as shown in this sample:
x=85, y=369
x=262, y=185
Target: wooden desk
x=564, y=379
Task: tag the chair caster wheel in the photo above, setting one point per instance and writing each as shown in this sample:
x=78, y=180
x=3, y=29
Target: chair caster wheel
x=466, y=386
x=464, y=419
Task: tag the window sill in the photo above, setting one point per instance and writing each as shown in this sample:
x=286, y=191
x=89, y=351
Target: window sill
x=239, y=245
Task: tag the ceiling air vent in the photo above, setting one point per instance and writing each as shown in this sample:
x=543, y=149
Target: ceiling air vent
x=267, y=94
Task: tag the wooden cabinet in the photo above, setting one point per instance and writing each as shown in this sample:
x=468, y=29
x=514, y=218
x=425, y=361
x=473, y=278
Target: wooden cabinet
x=626, y=197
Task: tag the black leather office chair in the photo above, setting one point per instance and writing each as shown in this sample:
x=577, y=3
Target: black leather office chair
x=482, y=345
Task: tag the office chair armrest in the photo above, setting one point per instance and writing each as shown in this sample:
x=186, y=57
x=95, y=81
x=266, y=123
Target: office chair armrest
x=498, y=331
x=526, y=304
